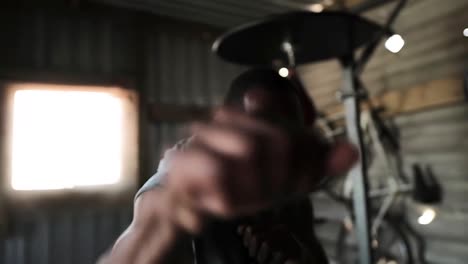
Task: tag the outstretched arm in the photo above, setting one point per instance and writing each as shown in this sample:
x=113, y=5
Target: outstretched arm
x=151, y=236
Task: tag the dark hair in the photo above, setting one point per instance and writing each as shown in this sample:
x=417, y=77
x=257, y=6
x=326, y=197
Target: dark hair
x=264, y=77
x=268, y=78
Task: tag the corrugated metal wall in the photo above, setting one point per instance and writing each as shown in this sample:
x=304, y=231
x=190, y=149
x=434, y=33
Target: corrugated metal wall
x=185, y=72
x=166, y=63
x=435, y=49
x=174, y=65
x=436, y=138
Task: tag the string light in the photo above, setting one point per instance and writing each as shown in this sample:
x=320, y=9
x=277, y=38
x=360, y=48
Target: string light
x=283, y=72
x=394, y=43
x=427, y=217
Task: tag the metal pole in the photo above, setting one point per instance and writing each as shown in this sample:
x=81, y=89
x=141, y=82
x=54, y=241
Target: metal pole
x=358, y=173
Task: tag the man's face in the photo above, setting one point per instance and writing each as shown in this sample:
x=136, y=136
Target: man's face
x=280, y=108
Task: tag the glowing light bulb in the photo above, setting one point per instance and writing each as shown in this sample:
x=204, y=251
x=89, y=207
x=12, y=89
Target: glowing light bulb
x=395, y=43
x=316, y=8
x=465, y=32
x=283, y=72
x=427, y=217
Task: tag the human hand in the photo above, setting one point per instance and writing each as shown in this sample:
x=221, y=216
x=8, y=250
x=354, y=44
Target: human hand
x=238, y=164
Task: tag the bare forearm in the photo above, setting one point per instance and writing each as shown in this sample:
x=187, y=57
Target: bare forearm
x=125, y=249
x=150, y=237
x=131, y=248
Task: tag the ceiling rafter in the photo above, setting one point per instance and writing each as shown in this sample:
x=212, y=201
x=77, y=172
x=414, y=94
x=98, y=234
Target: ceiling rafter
x=228, y=13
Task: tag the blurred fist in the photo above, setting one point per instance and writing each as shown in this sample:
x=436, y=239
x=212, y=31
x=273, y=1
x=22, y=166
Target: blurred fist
x=239, y=164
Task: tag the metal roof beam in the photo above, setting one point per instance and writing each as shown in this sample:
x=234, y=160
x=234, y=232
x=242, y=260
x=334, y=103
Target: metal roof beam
x=368, y=5
x=187, y=14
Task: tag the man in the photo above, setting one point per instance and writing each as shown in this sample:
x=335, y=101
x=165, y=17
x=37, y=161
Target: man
x=237, y=189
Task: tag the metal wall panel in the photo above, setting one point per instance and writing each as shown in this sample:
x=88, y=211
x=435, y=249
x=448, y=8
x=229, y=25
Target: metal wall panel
x=166, y=65
x=72, y=235
x=61, y=43
x=435, y=48
x=435, y=138
x=182, y=70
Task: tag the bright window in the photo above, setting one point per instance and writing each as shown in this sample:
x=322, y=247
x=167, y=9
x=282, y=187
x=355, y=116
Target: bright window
x=65, y=138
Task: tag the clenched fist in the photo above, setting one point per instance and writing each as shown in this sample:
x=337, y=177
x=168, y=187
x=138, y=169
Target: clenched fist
x=237, y=165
